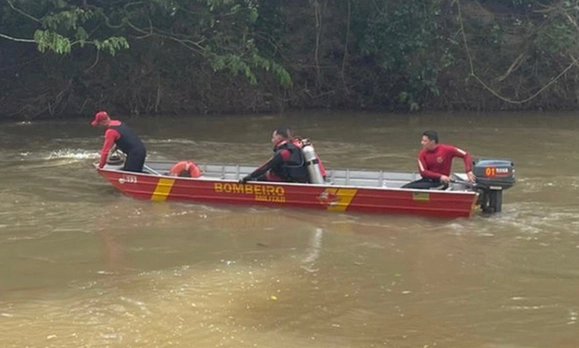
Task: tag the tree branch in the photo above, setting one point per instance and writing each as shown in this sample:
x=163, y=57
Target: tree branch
x=23, y=13
x=16, y=39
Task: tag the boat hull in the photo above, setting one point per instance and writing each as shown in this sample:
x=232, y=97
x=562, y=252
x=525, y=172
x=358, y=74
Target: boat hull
x=333, y=198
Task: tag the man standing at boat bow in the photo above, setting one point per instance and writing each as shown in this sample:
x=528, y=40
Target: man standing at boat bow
x=435, y=163
x=124, y=138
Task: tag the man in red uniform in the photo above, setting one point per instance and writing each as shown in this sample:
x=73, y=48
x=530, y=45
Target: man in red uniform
x=287, y=164
x=124, y=138
x=435, y=163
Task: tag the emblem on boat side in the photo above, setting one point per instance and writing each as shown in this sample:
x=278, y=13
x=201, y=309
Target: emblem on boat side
x=128, y=179
x=421, y=196
x=335, y=199
x=328, y=198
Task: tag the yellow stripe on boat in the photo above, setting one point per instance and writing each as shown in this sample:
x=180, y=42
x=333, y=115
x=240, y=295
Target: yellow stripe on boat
x=162, y=190
x=345, y=197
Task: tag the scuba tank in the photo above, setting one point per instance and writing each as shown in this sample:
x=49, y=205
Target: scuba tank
x=312, y=162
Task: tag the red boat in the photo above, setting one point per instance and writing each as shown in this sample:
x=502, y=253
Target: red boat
x=345, y=190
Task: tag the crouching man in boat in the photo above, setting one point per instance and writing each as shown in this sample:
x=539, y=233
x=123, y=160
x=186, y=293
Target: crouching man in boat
x=287, y=164
x=435, y=163
x=124, y=138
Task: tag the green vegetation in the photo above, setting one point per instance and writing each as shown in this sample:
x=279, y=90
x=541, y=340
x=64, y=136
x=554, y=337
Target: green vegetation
x=63, y=58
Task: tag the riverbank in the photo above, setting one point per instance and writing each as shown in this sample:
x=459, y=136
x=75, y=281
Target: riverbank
x=273, y=58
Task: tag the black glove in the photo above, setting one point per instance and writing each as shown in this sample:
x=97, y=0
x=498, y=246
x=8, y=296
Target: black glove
x=245, y=179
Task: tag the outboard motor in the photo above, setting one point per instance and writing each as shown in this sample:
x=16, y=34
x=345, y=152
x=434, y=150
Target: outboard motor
x=492, y=178
x=312, y=162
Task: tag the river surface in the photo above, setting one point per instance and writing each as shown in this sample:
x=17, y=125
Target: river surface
x=83, y=266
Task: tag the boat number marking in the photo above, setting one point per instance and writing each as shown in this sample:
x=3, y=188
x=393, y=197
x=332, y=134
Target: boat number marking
x=128, y=179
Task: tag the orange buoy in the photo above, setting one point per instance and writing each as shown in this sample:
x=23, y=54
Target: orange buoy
x=187, y=169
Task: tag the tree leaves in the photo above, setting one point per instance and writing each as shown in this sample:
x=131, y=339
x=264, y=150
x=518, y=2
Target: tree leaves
x=215, y=29
x=51, y=41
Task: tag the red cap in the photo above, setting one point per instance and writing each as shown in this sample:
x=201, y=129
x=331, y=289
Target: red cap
x=99, y=118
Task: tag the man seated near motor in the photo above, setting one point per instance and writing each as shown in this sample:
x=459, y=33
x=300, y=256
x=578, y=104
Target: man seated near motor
x=435, y=163
x=287, y=164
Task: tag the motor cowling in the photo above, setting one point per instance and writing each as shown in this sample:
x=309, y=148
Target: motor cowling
x=312, y=162
x=494, y=174
x=492, y=178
